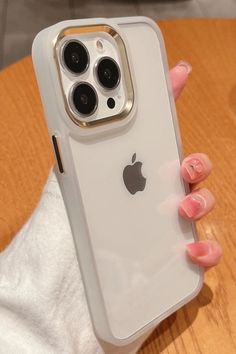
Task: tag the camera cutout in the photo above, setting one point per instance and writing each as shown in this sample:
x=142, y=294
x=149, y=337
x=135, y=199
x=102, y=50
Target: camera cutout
x=94, y=75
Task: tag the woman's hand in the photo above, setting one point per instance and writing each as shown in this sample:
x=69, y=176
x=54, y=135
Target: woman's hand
x=195, y=168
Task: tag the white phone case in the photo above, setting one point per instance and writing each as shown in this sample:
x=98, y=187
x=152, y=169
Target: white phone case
x=131, y=247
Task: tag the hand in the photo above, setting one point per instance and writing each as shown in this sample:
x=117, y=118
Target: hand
x=42, y=300
x=195, y=168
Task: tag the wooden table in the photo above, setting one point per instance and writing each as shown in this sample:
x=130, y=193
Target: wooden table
x=207, y=115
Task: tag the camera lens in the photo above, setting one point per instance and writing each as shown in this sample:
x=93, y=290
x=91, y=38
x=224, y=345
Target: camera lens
x=76, y=57
x=108, y=73
x=84, y=99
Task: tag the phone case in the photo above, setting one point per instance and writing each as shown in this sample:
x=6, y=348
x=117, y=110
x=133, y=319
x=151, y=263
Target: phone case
x=131, y=247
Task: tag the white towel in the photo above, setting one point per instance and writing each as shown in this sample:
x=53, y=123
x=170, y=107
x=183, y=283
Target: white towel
x=42, y=302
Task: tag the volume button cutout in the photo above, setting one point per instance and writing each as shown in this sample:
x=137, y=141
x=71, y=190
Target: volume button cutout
x=57, y=154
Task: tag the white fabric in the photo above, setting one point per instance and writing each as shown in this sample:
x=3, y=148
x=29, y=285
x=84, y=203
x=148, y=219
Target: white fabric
x=42, y=303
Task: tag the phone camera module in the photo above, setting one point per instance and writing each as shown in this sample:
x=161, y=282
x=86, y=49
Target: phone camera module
x=108, y=73
x=75, y=57
x=84, y=99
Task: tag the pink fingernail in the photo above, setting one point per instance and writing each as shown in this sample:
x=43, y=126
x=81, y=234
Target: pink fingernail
x=198, y=249
x=194, y=168
x=186, y=65
x=192, y=205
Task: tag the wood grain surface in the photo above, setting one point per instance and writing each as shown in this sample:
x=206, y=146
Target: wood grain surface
x=207, y=116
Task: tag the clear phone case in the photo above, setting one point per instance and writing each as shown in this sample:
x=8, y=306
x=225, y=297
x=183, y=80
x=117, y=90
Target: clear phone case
x=130, y=246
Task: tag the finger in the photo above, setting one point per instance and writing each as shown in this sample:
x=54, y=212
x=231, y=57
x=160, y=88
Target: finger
x=179, y=76
x=205, y=253
x=195, y=168
x=197, y=204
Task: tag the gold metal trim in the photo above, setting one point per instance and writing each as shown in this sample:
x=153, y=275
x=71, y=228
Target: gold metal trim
x=125, y=65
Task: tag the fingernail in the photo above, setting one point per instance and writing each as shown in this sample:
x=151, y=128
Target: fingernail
x=198, y=249
x=186, y=65
x=194, y=168
x=192, y=205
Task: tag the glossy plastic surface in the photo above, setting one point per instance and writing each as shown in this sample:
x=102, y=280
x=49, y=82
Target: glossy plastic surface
x=131, y=248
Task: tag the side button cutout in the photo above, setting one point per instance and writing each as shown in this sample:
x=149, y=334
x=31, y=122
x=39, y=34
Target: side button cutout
x=57, y=153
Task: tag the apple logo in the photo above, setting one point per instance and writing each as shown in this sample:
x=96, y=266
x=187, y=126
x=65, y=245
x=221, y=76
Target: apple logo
x=132, y=176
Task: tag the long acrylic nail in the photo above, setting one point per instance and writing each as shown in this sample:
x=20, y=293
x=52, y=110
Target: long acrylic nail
x=193, y=205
